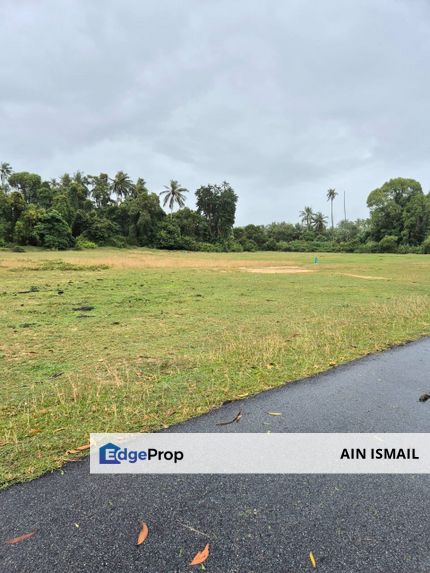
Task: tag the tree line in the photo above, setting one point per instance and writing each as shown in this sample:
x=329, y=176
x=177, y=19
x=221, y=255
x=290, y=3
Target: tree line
x=84, y=211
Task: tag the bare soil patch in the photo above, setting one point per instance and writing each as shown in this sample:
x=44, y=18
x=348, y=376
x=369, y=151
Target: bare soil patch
x=276, y=270
x=365, y=277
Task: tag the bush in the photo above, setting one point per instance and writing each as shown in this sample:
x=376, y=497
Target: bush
x=426, y=246
x=369, y=247
x=271, y=245
x=209, y=247
x=248, y=244
x=18, y=249
x=117, y=241
x=409, y=250
x=83, y=243
x=231, y=246
x=388, y=244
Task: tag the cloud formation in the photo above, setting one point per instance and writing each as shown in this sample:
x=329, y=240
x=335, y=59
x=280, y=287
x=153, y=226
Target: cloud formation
x=282, y=99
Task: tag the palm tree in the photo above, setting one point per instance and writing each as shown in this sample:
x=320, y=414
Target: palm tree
x=319, y=222
x=122, y=184
x=5, y=171
x=331, y=195
x=174, y=193
x=306, y=216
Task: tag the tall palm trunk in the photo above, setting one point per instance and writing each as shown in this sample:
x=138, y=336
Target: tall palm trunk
x=331, y=209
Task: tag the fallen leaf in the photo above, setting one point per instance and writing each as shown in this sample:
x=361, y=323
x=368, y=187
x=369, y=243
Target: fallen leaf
x=143, y=534
x=79, y=449
x=201, y=556
x=20, y=538
x=274, y=413
x=235, y=419
x=332, y=363
x=82, y=448
x=35, y=431
x=312, y=560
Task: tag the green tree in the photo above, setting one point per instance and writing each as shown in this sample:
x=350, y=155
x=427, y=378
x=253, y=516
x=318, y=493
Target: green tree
x=306, y=217
x=389, y=207
x=174, y=193
x=331, y=196
x=100, y=190
x=5, y=172
x=416, y=219
x=53, y=232
x=122, y=185
x=26, y=183
x=319, y=222
x=217, y=203
x=25, y=228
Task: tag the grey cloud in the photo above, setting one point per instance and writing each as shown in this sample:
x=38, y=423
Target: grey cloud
x=282, y=99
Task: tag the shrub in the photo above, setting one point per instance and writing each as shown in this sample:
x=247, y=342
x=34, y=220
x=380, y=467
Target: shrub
x=231, y=246
x=426, y=246
x=369, y=247
x=117, y=241
x=388, y=244
x=271, y=245
x=83, y=243
x=248, y=244
x=18, y=249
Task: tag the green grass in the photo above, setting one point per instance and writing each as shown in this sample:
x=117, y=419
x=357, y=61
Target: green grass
x=173, y=335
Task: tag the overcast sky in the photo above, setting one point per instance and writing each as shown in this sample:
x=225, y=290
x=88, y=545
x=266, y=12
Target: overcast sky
x=283, y=99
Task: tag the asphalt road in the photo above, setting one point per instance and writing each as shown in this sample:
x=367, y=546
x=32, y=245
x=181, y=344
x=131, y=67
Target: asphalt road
x=359, y=524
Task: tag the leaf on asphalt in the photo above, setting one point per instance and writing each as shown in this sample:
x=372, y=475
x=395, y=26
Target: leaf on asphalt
x=20, y=538
x=143, y=534
x=312, y=560
x=275, y=413
x=235, y=419
x=201, y=556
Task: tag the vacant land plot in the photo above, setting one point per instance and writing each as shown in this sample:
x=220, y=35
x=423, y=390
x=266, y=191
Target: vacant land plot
x=122, y=340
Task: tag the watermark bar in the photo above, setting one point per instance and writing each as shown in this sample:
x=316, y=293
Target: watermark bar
x=260, y=453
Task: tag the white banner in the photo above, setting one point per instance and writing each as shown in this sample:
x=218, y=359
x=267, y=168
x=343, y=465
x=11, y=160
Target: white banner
x=258, y=453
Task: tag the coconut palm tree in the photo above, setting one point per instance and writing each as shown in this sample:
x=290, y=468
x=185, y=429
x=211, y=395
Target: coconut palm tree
x=319, y=222
x=331, y=195
x=5, y=171
x=122, y=185
x=306, y=216
x=174, y=193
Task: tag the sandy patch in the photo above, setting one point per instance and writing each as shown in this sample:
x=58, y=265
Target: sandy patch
x=365, y=277
x=276, y=270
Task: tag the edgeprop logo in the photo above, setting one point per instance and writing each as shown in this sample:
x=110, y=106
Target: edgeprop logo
x=112, y=454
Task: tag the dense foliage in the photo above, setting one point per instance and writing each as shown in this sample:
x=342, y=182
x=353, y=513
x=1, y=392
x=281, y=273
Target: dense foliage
x=83, y=211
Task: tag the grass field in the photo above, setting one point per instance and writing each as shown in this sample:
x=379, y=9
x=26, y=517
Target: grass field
x=172, y=335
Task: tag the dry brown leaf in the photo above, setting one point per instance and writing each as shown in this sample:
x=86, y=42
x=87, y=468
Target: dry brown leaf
x=20, y=538
x=201, y=556
x=82, y=448
x=79, y=449
x=35, y=431
x=143, y=534
x=235, y=419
